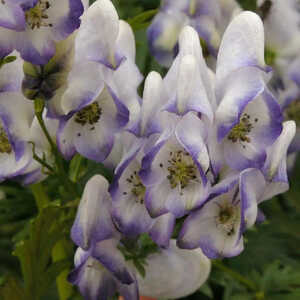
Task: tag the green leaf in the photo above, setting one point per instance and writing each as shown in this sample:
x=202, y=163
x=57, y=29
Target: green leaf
x=12, y=290
x=142, y=20
x=35, y=252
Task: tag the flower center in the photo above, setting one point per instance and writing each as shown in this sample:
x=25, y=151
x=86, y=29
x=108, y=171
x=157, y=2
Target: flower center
x=89, y=115
x=293, y=112
x=240, y=131
x=36, y=16
x=182, y=169
x=227, y=217
x=138, y=190
x=5, y=146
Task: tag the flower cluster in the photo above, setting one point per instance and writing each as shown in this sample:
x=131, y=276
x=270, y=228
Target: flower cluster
x=192, y=158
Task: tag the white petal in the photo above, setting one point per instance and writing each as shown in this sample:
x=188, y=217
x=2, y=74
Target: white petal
x=174, y=273
x=242, y=45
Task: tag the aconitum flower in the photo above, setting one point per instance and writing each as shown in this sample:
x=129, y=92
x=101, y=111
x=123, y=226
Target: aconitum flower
x=102, y=271
x=96, y=103
x=289, y=99
x=282, y=42
x=275, y=168
x=248, y=117
x=15, y=152
x=32, y=27
x=174, y=273
x=217, y=227
x=174, y=167
x=208, y=18
x=129, y=211
x=93, y=221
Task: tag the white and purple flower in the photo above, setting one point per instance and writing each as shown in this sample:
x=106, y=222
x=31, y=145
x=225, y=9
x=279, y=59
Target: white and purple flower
x=98, y=103
x=102, y=271
x=218, y=226
x=32, y=27
x=208, y=18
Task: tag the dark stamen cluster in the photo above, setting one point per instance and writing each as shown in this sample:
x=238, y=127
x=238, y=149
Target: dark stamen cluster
x=36, y=17
x=138, y=189
x=5, y=146
x=182, y=169
x=89, y=115
x=227, y=217
x=240, y=131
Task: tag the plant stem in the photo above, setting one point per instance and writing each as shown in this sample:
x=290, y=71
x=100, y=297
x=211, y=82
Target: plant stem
x=245, y=281
x=41, y=198
x=64, y=288
x=43, y=163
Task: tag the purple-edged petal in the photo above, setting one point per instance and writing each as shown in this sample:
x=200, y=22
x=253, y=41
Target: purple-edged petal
x=275, y=167
x=191, y=133
x=162, y=36
x=16, y=126
x=162, y=230
x=148, y=122
x=93, y=222
x=174, y=273
x=110, y=256
x=240, y=88
x=85, y=83
x=12, y=16
x=98, y=33
x=242, y=45
x=206, y=228
x=252, y=186
x=92, y=279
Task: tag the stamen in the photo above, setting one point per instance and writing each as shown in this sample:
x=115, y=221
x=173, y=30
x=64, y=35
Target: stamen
x=138, y=190
x=227, y=217
x=182, y=170
x=89, y=115
x=36, y=16
x=240, y=131
x=5, y=146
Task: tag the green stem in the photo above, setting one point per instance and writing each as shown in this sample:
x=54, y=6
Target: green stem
x=39, y=107
x=43, y=163
x=243, y=280
x=40, y=196
x=64, y=288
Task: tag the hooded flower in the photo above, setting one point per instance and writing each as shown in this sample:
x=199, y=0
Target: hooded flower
x=96, y=103
x=93, y=221
x=15, y=151
x=32, y=27
x=217, y=227
x=173, y=169
x=275, y=168
x=128, y=194
x=102, y=271
x=282, y=42
x=174, y=273
x=248, y=118
x=208, y=18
